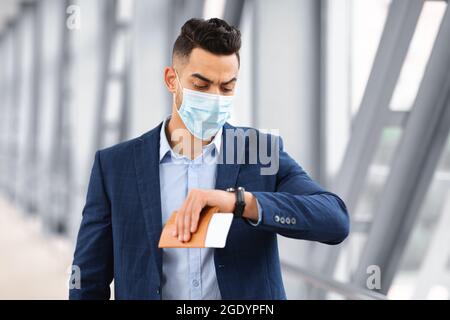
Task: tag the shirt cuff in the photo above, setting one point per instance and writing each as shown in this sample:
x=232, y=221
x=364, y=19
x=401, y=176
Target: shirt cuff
x=255, y=224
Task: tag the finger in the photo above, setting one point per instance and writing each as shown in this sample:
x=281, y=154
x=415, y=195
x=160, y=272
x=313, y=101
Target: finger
x=195, y=218
x=175, y=230
x=187, y=222
x=179, y=221
x=179, y=212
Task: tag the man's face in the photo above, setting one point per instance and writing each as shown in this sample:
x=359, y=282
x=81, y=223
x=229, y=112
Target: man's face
x=204, y=72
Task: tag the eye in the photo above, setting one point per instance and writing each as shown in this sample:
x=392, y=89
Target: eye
x=227, y=90
x=201, y=87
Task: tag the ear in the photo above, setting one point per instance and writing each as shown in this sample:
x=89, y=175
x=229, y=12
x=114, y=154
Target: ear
x=170, y=79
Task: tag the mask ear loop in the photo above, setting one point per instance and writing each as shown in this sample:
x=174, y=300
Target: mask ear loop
x=181, y=86
x=178, y=79
x=182, y=90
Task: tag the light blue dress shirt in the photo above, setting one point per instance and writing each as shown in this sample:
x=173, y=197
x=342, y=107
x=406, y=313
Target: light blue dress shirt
x=188, y=273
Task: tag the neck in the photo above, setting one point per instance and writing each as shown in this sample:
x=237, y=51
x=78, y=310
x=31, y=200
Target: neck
x=181, y=140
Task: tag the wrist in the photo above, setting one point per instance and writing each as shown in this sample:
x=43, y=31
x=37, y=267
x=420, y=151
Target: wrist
x=251, y=208
x=223, y=200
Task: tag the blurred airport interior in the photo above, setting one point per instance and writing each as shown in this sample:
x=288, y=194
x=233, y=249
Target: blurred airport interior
x=358, y=89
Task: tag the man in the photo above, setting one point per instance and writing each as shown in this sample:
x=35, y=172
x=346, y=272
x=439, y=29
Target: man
x=186, y=163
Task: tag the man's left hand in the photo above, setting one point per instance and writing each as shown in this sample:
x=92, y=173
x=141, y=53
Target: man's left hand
x=188, y=215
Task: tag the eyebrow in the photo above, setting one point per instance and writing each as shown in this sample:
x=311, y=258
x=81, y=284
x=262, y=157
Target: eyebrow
x=203, y=78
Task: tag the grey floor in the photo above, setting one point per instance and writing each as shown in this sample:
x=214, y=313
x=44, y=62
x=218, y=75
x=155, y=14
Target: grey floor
x=33, y=265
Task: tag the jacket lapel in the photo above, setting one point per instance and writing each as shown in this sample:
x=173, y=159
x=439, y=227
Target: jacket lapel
x=147, y=173
x=227, y=173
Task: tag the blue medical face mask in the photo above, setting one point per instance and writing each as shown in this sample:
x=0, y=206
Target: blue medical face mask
x=204, y=114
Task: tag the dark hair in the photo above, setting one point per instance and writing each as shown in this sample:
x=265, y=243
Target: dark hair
x=213, y=35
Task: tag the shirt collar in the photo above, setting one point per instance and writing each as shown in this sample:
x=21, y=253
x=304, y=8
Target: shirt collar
x=165, y=146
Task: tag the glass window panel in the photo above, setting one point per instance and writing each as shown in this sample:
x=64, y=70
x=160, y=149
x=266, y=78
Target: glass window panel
x=367, y=22
x=435, y=204
x=418, y=55
x=368, y=203
x=378, y=172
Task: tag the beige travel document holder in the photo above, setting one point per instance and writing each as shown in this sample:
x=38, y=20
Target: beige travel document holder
x=212, y=231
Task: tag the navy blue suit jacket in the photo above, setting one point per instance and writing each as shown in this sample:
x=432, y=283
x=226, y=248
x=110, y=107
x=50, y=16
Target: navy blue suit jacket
x=121, y=224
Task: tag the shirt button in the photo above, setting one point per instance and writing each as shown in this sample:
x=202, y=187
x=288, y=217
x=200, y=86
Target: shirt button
x=288, y=220
x=282, y=220
x=293, y=221
x=195, y=283
x=277, y=218
x=158, y=291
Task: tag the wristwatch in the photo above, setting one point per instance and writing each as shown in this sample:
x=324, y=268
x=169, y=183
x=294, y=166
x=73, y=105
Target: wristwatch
x=239, y=205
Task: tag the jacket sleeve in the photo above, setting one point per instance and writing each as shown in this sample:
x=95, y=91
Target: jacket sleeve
x=93, y=255
x=300, y=208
